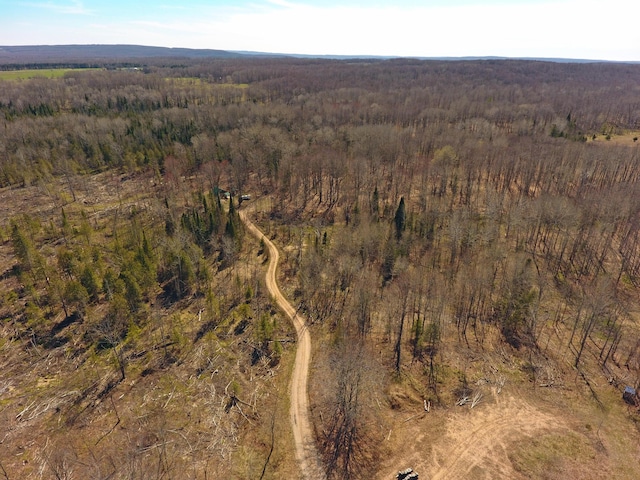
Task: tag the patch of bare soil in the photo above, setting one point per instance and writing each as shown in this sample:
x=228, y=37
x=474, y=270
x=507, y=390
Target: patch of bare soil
x=477, y=442
x=470, y=443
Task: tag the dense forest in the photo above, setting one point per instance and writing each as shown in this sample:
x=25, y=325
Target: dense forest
x=442, y=223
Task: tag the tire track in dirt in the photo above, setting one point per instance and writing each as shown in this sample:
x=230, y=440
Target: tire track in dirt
x=478, y=442
x=306, y=452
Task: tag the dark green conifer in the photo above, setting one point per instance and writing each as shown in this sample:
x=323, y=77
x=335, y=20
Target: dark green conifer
x=400, y=219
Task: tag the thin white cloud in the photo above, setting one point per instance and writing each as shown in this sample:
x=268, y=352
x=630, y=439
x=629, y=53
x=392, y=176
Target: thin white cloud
x=284, y=3
x=75, y=7
x=175, y=8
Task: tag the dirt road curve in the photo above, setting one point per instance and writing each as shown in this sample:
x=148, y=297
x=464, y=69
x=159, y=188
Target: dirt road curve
x=306, y=452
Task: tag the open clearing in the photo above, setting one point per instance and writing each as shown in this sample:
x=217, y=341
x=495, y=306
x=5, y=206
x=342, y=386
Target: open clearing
x=627, y=138
x=514, y=435
x=477, y=443
x=39, y=73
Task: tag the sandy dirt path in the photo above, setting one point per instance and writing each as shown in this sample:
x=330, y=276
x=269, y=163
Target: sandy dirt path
x=306, y=452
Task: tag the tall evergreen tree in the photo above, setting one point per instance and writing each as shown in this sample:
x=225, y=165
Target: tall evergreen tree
x=375, y=200
x=23, y=247
x=400, y=219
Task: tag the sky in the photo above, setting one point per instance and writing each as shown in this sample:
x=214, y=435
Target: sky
x=579, y=29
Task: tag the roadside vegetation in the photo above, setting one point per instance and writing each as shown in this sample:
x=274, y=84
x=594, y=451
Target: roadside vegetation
x=463, y=238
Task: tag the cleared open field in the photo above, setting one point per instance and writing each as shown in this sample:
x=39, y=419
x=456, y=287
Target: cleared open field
x=38, y=73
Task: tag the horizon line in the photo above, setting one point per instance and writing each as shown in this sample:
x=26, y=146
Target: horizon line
x=327, y=55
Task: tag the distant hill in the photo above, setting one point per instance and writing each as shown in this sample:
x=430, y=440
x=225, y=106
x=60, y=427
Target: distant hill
x=448, y=59
x=69, y=53
x=41, y=55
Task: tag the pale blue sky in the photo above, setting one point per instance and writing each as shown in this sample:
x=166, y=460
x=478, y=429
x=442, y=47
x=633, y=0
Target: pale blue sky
x=589, y=29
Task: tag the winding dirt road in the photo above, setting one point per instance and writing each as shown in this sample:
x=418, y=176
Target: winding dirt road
x=306, y=453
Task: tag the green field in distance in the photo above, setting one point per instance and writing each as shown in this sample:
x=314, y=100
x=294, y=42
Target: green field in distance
x=37, y=73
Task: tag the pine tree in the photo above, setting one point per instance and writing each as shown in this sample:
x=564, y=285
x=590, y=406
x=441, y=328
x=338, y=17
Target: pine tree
x=146, y=269
x=132, y=292
x=388, y=261
x=85, y=227
x=76, y=296
x=375, y=200
x=66, y=228
x=22, y=247
x=233, y=227
x=89, y=281
x=400, y=219
x=230, y=228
